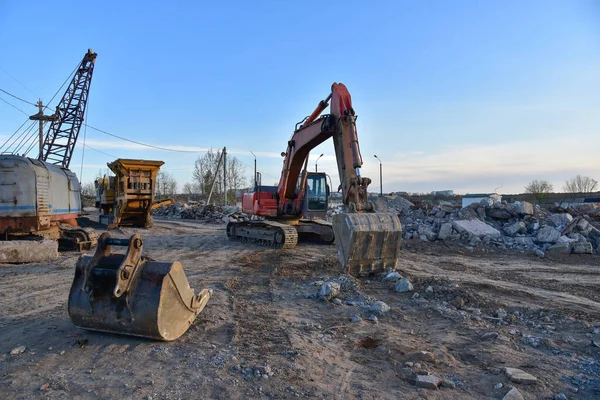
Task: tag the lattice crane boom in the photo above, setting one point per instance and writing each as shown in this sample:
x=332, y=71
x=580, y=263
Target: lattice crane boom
x=61, y=138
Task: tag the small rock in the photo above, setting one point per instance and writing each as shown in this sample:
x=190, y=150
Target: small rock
x=404, y=285
x=44, y=386
x=337, y=302
x=519, y=376
x=513, y=394
x=415, y=296
x=356, y=318
x=429, y=289
x=379, y=308
x=417, y=365
x=329, y=290
x=489, y=336
x=500, y=313
x=372, y=318
x=18, y=350
x=408, y=364
x=539, y=253
x=428, y=381
x=392, y=277
x=448, y=383
x=560, y=396
x=498, y=386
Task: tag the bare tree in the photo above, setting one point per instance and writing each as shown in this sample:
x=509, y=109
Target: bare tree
x=190, y=188
x=539, y=189
x=88, y=189
x=166, y=185
x=204, y=172
x=236, y=172
x=580, y=184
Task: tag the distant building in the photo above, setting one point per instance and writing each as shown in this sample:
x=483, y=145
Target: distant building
x=443, y=193
x=477, y=197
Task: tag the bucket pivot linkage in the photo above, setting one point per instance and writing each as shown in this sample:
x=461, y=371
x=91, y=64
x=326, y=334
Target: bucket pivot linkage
x=131, y=294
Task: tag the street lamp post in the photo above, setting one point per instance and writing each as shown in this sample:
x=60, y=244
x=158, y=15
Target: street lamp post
x=317, y=162
x=380, y=177
x=255, y=183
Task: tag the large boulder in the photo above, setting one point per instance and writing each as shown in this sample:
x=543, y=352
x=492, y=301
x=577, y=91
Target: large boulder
x=476, y=227
x=499, y=212
x=524, y=207
x=560, y=220
x=446, y=206
x=548, y=234
x=513, y=229
x=582, y=248
x=445, y=231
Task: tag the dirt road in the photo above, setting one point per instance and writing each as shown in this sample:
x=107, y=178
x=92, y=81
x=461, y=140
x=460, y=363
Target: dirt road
x=265, y=335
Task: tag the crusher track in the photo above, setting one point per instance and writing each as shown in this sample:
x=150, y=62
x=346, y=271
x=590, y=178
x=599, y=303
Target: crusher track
x=264, y=233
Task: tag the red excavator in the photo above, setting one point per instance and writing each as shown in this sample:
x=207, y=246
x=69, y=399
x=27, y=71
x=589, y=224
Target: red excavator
x=367, y=242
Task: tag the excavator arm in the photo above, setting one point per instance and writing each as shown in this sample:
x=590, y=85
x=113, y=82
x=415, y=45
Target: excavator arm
x=366, y=241
x=340, y=125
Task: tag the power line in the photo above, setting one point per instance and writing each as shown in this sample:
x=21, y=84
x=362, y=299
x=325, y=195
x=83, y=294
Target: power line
x=101, y=152
x=16, y=80
x=13, y=106
x=143, y=144
x=18, y=98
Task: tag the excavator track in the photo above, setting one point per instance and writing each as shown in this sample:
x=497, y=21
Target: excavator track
x=264, y=233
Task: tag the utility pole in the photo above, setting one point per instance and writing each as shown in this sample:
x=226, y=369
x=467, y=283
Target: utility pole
x=41, y=118
x=225, y=173
x=255, y=183
x=380, y=177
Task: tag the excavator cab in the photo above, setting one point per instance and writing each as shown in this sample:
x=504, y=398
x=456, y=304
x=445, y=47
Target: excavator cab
x=316, y=196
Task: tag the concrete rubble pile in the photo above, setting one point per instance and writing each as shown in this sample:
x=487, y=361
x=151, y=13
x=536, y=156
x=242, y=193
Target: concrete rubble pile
x=516, y=226
x=201, y=211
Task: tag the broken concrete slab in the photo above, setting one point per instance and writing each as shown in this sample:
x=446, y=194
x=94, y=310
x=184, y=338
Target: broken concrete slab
x=445, y=231
x=560, y=219
x=524, y=207
x=515, y=228
x=548, y=234
x=24, y=251
x=582, y=248
x=519, y=376
x=559, y=248
x=513, y=394
x=428, y=381
x=476, y=227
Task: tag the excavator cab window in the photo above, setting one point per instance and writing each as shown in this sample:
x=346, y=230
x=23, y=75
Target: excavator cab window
x=316, y=192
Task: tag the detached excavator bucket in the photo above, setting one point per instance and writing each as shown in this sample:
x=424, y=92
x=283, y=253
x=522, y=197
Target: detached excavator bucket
x=367, y=243
x=132, y=295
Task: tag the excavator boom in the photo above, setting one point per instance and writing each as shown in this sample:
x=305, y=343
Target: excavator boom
x=366, y=241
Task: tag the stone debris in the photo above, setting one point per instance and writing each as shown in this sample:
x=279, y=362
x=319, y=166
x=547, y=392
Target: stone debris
x=404, y=285
x=18, y=350
x=514, y=226
x=328, y=291
x=379, y=308
x=518, y=376
x=392, y=277
x=513, y=394
x=476, y=228
x=201, y=211
x=428, y=381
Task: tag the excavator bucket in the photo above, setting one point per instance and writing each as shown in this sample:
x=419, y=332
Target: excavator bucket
x=131, y=294
x=367, y=243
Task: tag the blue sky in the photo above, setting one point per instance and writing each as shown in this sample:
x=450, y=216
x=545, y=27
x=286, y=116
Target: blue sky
x=463, y=95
